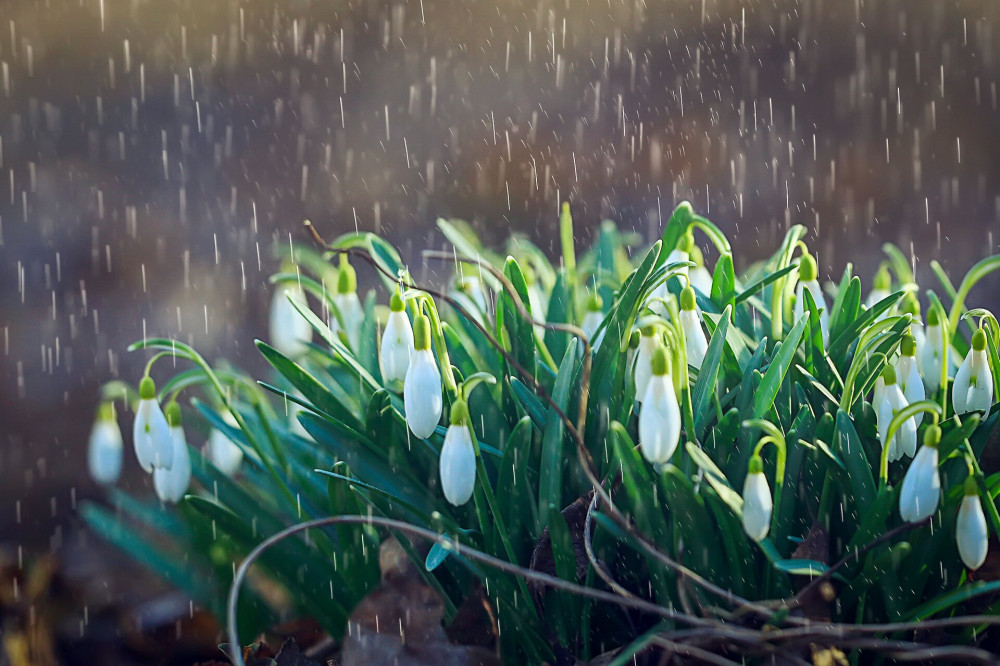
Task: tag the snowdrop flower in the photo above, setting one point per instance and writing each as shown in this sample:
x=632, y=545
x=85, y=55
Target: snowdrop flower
x=973, y=387
x=904, y=440
x=458, y=457
x=422, y=399
x=150, y=433
x=880, y=288
x=172, y=483
x=644, y=361
x=222, y=451
x=911, y=306
x=878, y=394
x=970, y=528
x=593, y=317
x=348, y=304
x=908, y=376
x=932, y=354
x=757, y=503
x=921, y=489
x=682, y=252
x=695, y=341
x=660, y=416
x=699, y=276
x=288, y=330
x=104, y=450
x=473, y=287
x=808, y=274
x=397, y=344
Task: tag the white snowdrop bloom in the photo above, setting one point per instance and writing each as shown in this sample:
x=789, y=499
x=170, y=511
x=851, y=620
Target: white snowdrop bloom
x=660, y=416
x=104, y=449
x=682, y=252
x=348, y=304
x=171, y=484
x=700, y=277
x=222, y=451
x=904, y=440
x=878, y=394
x=808, y=274
x=288, y=330
x=932, y=353
x=150, y=433
x=457, y=465
x=643, y=368
x=422, y=399
x=970, y=528
x=593, y=317
x=757, y=502
x=880, y=289
x=908, y=376
x=921, y=490
x=397, y=344
x=472, y=286
x=973, y=387
x=695, y=342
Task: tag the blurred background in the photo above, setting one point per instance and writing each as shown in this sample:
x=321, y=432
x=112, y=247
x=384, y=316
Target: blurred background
x=154, y=152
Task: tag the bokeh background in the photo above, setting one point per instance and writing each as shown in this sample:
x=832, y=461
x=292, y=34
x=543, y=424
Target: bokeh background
x=154, y=152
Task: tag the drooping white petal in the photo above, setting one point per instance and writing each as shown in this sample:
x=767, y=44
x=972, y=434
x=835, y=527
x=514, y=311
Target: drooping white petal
x=644, y=365
x=397, y=346
x=422, y=399
x=930, y=357
x=694, y=337
x=171, y=484
x=757, y=506
x=659, y=420
x=816, y=292
x=288, y=330
x=878, y=393
x=351, y=316
x=678, y=256
x=910, y=382
x=874, y=296
x=970, y=532
x=973, y=387
x=591, y=322
x=104, y=451
x=222, y=451
x=904, y=440
x=151, y=436
x=960, y=388
x=701, y=279
x=458, y=465
x=921, y=489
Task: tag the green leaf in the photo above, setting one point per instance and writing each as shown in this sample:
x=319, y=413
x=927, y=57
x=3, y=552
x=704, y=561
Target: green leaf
x=796, y=567
x=724, y=283
x=846, y=305
x=951, y=599
x=763, y=399
x=704, y=386
x=759, y=284
x=859, y=469
x=532, y=406
x=552, y=460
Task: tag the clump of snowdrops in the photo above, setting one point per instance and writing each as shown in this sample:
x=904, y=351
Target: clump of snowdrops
x=728, y=465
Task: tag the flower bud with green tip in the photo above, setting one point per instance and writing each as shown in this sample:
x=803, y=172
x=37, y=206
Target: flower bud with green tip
x=288, y=330
x=172, y=483
x=643, y=369
x=907, y=374
x=809, y=280
x=348, y=304
x=970, y=528
x=973, y=387
x=700, y=277
x=904, y=440
x=682, y=252
x=932, y=354
x=397, y=344
x=458, y=457
x=104, y=448
x=151, y=437
x=921, y=490
x=911, y=306
x=881, y=285
x=422, y=400
x=660, y=416
x=757, y=502
x=695, y=341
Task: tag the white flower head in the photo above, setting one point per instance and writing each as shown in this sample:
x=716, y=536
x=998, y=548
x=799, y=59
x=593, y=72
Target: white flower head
x=973, y=387
x=660, y=416
x=970, y=528
x=154, y=446
x=700, y=277
x=757, y=502
x=921, y=489
x=695, y=342
x=171, y=484
x=682, y=252
x=908, y=375
x=222, y=451
x=880, y=289
x=643, y=368
x=931, y=356
x=458, y=457
x=808, y=280
x=288, y=330
x=397, y=344
x=904, y=440
x=422, y=400
x=348, y=304
x=104, y=449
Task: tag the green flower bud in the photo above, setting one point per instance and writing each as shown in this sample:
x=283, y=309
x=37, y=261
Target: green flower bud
x=911, y=305
x=882, y=278
x=933, y=317
x=908, y=346
x=396, y=303
x=660, y=361
x=147, y=388
x=756, y=465
x=106, y=412
x=807, y=268
x=459, y=413
x=688, y=300
x=889, y=375
x=686, y=242
x=347, y=278
x=932, y=436
x=979, y=340
x=970, y=487
x=173, y=413
x=594, y=303
x=421, y=332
